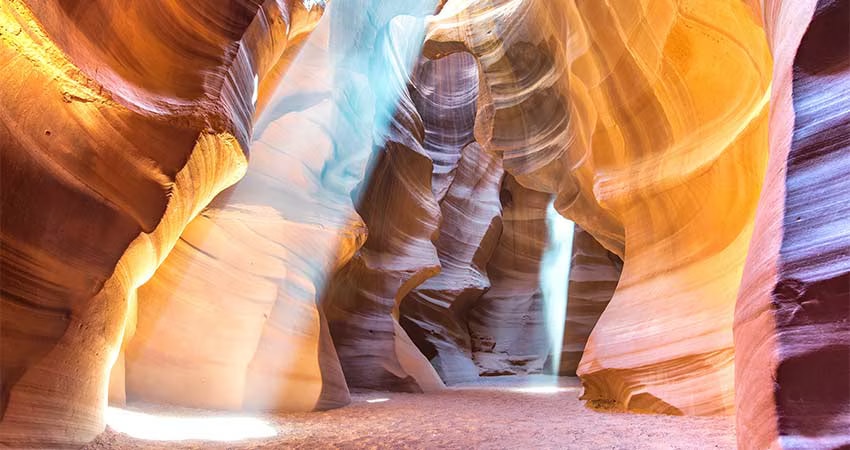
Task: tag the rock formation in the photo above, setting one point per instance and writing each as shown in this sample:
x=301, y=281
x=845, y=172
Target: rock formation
x=229, y=321
x=466, y=182
x=506, y=324
x=435, y=313
x=362, y=302
x=792, y=335
x=119, y=124
x=393, y=208
x=628, y=134
x=594, y=273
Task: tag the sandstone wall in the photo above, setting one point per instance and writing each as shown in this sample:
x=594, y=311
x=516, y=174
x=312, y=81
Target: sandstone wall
x=614, y=108
x=119, y=124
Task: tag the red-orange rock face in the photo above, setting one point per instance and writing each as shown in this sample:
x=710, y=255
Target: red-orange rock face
x=613, y=109
x=118, y=124
x=389, y=228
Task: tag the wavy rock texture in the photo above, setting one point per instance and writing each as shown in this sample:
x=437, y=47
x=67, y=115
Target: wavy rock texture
x=362, y=297
x=293, y=211
x=230, y=320
x=614, y=108
x=402, y=216
x=435, y=313
x=121, y=123
x=506, y=324
x=445, y=93
x=129, y=119
x=792, y=336
x=466, y=182
x=594, y=273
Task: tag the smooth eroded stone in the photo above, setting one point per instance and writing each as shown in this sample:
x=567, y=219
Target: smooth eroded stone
x=792, y=333
x=628, y=115
x=506, y=324
x=435, y=313
x=113, y=138
x=594, y=274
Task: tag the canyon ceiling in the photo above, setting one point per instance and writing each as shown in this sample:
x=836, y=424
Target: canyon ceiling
x=261, y=204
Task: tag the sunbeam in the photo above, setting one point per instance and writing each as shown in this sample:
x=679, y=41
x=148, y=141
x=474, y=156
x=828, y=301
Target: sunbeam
x=554, y=280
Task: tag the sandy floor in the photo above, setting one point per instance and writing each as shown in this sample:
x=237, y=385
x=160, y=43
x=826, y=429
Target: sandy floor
x=498, y=413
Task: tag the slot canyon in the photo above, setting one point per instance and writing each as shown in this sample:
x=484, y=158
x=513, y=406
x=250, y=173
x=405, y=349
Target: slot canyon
x=577, y=224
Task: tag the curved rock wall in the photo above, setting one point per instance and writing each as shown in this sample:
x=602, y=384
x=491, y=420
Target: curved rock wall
x=400, y=211
x=294, y=212
x=465, y=180
x=615, y=110
x=120, y=143
x=435, y=313
x=121, y=124
x=791, y=331
x=234, y=304
x=506, y=324
x=594, y=274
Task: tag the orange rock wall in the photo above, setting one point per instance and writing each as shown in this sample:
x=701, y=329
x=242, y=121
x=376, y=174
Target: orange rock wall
x=414, y=206
x=120, y=141
x=614, y=108
x=243, y=318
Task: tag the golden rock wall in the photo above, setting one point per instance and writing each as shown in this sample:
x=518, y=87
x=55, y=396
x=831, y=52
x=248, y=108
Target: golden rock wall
x=626, y=111
x=119, y=124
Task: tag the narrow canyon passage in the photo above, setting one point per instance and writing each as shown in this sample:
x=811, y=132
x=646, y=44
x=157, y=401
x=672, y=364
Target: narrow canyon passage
x=245, y=224
x=494, y=412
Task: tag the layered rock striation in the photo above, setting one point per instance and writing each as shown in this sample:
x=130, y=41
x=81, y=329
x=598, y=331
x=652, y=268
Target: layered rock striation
x=506, y=324
x=792, y=336
x=594, y=274
x=614, y=110
x=119, y=124
x=389, y=229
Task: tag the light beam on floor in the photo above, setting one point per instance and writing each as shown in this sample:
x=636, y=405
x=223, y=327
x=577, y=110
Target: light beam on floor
x=152, y=427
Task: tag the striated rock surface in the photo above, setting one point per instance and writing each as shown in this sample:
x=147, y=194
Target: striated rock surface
x=594, y=273
x=614, y=108
x=445, y=93
x=398, y=206
x=435, y=313
x=294, y=211
x=506, y=324
x=389, y=216
x=363, y=297
x=792, y=334
x=230, y=319
x=466, y=181
x=119, y=123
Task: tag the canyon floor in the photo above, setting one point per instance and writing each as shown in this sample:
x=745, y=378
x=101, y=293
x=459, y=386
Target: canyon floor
x=499, y=412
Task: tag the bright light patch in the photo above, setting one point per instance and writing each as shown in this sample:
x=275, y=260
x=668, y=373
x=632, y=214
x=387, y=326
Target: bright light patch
x=171, y=428
x=377, y=400
x=309, y=4
x=542, y=389
x=554, y=279
x=256, y=94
